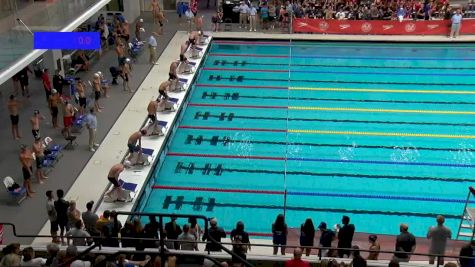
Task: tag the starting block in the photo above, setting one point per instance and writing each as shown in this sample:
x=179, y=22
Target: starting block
x=156, y=128
x=177, y=86
x=186, y=68
x=196, y=52
x=203, y=40
x=170, y=104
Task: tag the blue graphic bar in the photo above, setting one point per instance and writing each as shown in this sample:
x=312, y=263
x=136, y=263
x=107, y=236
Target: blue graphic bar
x=67, y=40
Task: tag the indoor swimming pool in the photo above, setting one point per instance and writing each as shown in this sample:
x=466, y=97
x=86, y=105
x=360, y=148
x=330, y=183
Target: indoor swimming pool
x=381, y=132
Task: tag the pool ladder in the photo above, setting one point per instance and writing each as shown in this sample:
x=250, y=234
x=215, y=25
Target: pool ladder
x=467, y=221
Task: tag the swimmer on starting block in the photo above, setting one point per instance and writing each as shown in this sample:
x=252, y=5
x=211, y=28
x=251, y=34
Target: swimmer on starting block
x=153, y=128
x=172, y=75
x=163, y=88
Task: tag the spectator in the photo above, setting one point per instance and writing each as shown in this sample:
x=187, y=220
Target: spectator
x=405, y=242
x=357, y=261
x=345, y=236
x=115, y=225
x=52, y=249
x=78, y=235
x=151, y=230
x=127, y=232
x=23, y=75
x=374, y=247
x=74, y=214
x=252, y=18
x=29, y=258
x=173, y=231
x=61, y=207
x=326, y=238
x=456, y=24
x=215, y=233
x=393, y=263
x=90, y=219
x=279, y=234
x=195, y=228
x=72, y=253
x=243, y=15
x=307, y=234
x=10, y=260
x=137, y=231
x=91, y=124
x=438, y=236
x=58, y=82
x=46, y=83
x=52, y=215
x=152, y=48
x=241, y=242
x=467, y=251
x=103, y=220
x=297, y=260
x=187, y=239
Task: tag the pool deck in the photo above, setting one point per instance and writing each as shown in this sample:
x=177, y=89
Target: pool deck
x=113, y=148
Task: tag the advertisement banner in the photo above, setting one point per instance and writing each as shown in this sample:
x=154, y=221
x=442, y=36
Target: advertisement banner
x=380, y=27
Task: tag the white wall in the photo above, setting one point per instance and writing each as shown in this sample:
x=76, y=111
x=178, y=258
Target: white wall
x=131, y=10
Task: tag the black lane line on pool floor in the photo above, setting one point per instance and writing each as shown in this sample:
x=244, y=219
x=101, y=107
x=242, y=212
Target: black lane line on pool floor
x=226, y=140
x=198, y=204
x=223, y=116
x=241, y=78
x=236, y=96
x=245, y=63
x=219, y=170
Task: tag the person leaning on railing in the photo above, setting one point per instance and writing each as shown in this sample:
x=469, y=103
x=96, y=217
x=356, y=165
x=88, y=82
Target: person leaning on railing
x=215, y=233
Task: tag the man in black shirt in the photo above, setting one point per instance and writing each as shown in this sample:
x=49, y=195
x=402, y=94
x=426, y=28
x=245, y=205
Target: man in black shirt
x=172, y=231
x=58, y=82
x=405, y=242
x=345, y=236
x=215, y=233
x=61, y=207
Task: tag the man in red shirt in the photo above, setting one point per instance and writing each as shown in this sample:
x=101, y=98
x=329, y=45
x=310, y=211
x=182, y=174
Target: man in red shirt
x=46, y=84
x=297, y=260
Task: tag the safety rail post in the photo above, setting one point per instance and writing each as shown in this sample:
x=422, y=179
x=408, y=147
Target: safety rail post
x=471, y=191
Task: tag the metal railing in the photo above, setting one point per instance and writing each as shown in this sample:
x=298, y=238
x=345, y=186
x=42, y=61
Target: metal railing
x=164, y=253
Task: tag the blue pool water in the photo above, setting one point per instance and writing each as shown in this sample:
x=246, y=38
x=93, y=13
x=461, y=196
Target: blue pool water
x=383, y=133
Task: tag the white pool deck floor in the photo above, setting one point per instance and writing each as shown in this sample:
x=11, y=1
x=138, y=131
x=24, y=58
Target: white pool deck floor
x=91, y=182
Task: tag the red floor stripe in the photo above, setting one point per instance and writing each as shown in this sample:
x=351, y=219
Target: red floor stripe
x=241, y=86
x=245, y=55
x=223, y=156
x=207, y=189
x=246, y=70
x=251, y=43
x=235, y=106
x=233, y=129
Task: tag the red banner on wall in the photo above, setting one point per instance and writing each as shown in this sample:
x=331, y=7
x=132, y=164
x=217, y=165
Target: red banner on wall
x=382, y=27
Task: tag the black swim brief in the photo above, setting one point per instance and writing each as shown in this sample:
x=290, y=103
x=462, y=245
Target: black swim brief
x=82, y=102
x=172, y=76
x=113, y=181
x=152, y=117
x=26, y=173
x=14, y=119
x=36, y=133
x=54, y=112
